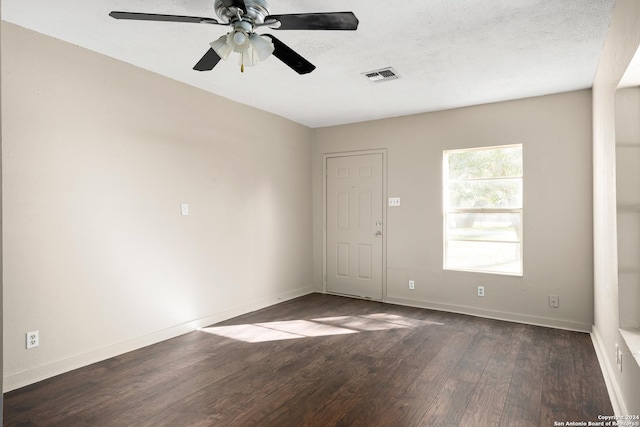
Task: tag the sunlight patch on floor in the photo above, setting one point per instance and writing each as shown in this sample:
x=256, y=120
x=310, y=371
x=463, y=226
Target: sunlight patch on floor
x=250, y=333
x=359, y=323
x=295, y=329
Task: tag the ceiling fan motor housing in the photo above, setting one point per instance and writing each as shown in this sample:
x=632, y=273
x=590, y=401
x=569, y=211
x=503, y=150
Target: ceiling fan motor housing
x=256, y=11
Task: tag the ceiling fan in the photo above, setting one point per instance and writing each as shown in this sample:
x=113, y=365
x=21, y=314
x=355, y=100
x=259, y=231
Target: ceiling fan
x=245, y=16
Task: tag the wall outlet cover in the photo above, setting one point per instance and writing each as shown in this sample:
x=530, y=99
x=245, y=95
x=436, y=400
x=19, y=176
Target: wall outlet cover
x=33, y=339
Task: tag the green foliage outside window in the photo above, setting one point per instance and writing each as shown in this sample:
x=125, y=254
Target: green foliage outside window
x=481, y=178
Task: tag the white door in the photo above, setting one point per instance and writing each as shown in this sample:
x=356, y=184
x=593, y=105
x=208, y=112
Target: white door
x=354, y=225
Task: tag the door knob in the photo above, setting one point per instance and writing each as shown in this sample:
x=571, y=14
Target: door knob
x=378, y=233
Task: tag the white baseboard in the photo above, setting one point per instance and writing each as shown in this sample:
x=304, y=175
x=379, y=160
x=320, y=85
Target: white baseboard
x=40, y=373
x=613, y=388
x=497, y=315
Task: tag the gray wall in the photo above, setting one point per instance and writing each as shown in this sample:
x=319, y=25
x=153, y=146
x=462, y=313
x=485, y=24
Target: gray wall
x=558, y=259
x=98, y=156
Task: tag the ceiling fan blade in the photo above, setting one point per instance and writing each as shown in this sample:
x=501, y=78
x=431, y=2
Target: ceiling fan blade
x=292, y=59
x=316, y=21
x=235, y=3
x=167, y=18
x=208, y=61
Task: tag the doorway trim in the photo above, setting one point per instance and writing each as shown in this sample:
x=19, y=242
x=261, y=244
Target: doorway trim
x=325, y=157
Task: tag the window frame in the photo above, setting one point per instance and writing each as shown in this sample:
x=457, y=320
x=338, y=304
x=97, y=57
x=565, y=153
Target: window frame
x=446, y=211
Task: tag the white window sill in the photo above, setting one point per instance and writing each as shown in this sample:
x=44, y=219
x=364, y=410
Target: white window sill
x=632, y=338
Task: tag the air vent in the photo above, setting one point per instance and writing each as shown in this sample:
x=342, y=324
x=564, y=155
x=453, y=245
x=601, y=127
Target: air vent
x=382, y=75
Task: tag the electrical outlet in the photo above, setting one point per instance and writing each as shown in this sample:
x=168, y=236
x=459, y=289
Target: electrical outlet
x=480, y=291
x=554, y=301
x=33, y=339
x=412, y=284
x=394, y=201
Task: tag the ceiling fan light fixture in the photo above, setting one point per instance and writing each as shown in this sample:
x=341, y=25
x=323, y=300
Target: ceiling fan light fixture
x=253, y=55
x=252, y=47
x=222, y=47
x=248, y=58
x=262, y=46
x=238, y=39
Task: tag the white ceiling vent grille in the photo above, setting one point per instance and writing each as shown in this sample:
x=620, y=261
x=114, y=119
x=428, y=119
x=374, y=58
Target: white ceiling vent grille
x=382, y=75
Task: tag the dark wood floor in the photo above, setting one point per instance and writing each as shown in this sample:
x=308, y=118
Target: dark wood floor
x=352, y=363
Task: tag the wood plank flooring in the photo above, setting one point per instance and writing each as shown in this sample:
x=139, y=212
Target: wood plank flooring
x=337, y=362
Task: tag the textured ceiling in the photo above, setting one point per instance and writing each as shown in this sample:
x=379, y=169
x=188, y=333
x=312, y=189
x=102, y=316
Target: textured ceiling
x=448, y=53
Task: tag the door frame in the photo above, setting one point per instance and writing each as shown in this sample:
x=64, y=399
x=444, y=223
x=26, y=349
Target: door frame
x=327, y=156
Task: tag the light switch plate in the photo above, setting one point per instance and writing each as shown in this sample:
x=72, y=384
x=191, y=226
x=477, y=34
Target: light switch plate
x=184, y=209
x=394, y=201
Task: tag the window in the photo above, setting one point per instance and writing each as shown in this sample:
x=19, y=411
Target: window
x=483, y=209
